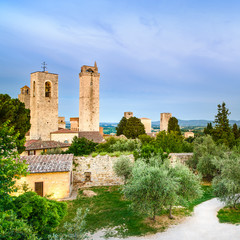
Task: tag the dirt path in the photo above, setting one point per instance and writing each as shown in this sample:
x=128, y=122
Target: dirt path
x=203, y=225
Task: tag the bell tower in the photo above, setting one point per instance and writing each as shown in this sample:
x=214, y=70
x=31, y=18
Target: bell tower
x=43, y=104
x=89, y=99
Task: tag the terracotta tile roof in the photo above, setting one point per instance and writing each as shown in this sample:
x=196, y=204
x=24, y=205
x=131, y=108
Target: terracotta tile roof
x=38, y=144
x=49, y=163
x=64, y=130
x=92, y=136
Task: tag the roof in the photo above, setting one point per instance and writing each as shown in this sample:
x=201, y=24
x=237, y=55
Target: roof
x=39, y=144
x=64, y=130
x=49, y=163
x=74, y=119
x=92, y=136
x=26, y=87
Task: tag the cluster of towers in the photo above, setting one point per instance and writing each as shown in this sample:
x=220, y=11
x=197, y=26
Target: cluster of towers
x=42, y=100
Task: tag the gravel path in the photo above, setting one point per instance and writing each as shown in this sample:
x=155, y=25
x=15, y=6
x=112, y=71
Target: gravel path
x=203, y=225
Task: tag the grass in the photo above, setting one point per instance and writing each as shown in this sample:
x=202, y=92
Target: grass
x=229, y=215
x=109, y=210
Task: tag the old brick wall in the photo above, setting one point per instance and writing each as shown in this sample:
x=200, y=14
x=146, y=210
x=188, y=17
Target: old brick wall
x=179, y=157
x=100, y=169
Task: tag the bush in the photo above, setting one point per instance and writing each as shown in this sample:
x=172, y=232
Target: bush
x=105, y=147
x=42, y=214
x=81, y=146
x=123, y=167
x=124, y=145
x=15, y=229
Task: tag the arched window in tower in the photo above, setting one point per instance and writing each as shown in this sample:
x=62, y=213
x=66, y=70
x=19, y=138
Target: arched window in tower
x=47, y=89
x=33, y=88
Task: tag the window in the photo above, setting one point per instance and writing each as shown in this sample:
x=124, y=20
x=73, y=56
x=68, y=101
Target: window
x=39, y=188
x=31, y=152
x=34, y=88
x=47, y=89
x=66, y=141
x=87, y=176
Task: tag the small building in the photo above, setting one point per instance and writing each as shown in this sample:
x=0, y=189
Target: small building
x=61, y=123
x=189, y=134
x=64, y=135
x=37, y=147
x=147, y=124
x=74, y=121
x=49, y=175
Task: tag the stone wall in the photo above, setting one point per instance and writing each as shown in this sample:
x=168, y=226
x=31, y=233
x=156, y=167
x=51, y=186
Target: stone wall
x=96, y=171
x=179, y=157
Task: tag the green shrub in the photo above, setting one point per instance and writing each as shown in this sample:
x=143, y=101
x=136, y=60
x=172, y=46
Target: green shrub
x=103, y=153
x=123, y=145
x=81, y=146
x=105, y=147
x=42, y=214
x=94, y=154
x=15, y=229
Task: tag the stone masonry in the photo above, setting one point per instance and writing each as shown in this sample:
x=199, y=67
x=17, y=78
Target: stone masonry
x=24, y=96
x=43, y=105
x=164, y=121
x=128, y=115
x=89, y=99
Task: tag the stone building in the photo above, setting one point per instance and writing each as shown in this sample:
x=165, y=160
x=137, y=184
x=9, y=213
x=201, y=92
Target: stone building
x=128, y=115
x=24, y=96
x=63, y=135
x=74, y=121
x=189, y=134
x=49, y=175
x=89, y=99
x=147, y=124
x=61, y=123
x=43, y=105
x=164, y=121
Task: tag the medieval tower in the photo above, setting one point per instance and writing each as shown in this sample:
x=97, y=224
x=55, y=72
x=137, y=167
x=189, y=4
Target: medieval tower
x=164, y=121
x=43, y=105
x=24, y=96
x=89, y=99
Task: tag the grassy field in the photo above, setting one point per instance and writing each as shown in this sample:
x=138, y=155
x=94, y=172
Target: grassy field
x=229, y=215
x=109, y=210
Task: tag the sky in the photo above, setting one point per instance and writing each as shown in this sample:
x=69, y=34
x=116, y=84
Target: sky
x=153, y=56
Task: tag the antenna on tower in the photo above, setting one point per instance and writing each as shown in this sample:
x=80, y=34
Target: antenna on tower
x=44, y=66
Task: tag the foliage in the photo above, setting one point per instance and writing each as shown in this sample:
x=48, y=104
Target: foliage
x=15, y=229
x=121, y=126
x=105, y=146
x=42, y=214
x=150, y=188
x=11, y=168
x=81, y=146
x=145, y=139
x=123, y=167
x=134, y=128
x=236, y=132
x=227, y=184
x=204, y=151
x=209, y=129
x=172, y=142
x=14, y=111
x=229, y=215
x=124, y=145
x=222, y=132
x=173, y=125
x=75, y=229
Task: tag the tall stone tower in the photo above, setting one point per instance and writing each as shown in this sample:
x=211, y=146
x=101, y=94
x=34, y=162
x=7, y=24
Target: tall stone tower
x=128, y=115
x=164, y=121
x=24, y=96
x=89, y=99
x=43, y=105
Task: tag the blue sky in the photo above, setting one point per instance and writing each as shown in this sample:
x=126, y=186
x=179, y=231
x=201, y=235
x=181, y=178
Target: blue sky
x=154, y=56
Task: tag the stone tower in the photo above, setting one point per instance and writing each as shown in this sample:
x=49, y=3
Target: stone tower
x=24, y=96
x=89, y=99
x=43, y=105
x=128, y=115
x=164, y=121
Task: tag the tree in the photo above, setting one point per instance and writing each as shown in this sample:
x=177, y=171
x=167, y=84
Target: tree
x=14, y=111
x=11, y=167
x=150, y=188
x=134, y=128
x=227, y=184
x=81, y=146
x=235, y=131
x=121, y=126
x=208, y=129
x=15, y=229
x=173, y=125
x=123, y=167
x=222, y=133
x=204, y=151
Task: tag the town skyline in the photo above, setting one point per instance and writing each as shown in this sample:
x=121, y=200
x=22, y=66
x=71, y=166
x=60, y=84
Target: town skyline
x=152, y=57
